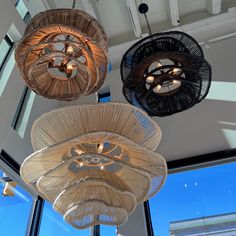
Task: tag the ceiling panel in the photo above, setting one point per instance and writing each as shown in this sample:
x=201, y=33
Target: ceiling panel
x=158, y=11
x=115, y=17
x=187, y=7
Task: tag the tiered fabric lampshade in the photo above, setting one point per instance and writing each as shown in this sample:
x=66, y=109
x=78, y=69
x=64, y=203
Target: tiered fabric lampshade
x=63, y=54
x=95, y=162
x=165, y=73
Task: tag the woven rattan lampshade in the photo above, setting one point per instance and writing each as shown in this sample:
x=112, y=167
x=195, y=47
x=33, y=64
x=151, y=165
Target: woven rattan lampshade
x=63, y=54
x=95, y=171
x=165, y=73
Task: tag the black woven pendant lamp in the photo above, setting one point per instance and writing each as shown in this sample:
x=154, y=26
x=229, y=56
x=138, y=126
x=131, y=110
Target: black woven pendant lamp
x=165, y=73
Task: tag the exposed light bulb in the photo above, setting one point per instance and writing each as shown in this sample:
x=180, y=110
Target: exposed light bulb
x=159, y=64
x=150, y=79
x=81, y=164
x=102, y=167
x=70, y=49
x=100, y=148
x=176, y=81
x=79, y=152
x=157, y=88
x=69, y=67
x=177, y=71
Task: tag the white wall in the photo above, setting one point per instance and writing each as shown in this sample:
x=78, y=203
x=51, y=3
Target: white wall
x=136, y=224
x=10, y=141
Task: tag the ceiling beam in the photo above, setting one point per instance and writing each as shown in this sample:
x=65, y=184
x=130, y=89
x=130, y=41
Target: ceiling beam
x=213, y=6
x=133, y=13
x=174, y=12
x=204, y=30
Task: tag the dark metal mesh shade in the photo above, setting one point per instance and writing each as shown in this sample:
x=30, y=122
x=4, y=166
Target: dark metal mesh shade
x=180, y=52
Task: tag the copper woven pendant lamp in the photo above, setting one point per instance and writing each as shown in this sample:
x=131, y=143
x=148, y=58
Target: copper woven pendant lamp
x=63, y=54
x=165, y=73
x=95, y=171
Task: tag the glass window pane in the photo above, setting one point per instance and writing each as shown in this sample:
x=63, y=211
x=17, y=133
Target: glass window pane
x=15, y=208
x=52, y=224
x=196, y=202
x=24, y=115
x=4, y=49
x=104, y=97
x=21, y=8
x=108, y=230
x=6, y=71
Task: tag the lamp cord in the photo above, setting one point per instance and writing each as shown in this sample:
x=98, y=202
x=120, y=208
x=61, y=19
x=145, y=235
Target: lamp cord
x=74, y=3
x=148, y=25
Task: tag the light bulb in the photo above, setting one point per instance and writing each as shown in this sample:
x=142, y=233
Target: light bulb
x=81, y=164
x=79, y=152
x=177, y=71
x=157, y=88
x=69, y=67
x=159, y=64
x=150, y=79
x=175, y=81
x=100, y=148
x=70, y=49
x=102, y=167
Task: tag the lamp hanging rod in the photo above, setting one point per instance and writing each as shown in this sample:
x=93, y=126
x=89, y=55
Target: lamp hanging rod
x=148, y=25
x=74, y=3
x=143, y=9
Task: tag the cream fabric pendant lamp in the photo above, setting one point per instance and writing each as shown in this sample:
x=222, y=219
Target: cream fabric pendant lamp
x=63, y=54
x=95, y=162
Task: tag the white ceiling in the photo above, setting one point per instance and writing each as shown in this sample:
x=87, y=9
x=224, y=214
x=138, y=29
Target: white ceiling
x=211, y=125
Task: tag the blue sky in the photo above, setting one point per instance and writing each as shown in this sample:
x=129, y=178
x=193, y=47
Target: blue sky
x=194, y=194
x=14, y=212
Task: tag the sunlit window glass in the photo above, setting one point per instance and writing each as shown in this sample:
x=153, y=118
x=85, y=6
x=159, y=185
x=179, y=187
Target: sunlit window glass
x=108, y=230
x=197, y=202
x=5, y=47
x=22, y=9
x=23, y=112
x=52, y=224
x=15, y=207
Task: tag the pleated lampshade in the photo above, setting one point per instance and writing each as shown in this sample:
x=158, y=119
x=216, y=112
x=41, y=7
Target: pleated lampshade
x=63, y=54
x=165, y=73
x=95, y=171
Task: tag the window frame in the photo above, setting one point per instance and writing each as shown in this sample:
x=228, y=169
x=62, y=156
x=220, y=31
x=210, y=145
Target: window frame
x=191, y=163
x=103, y=95
x=23, y=107
x=12, y=169
x=10, y=42
x=19, y=108
x=27, y=15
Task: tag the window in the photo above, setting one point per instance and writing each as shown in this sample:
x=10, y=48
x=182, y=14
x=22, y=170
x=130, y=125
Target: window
x=104, y=97
x=22, y=10
x=22, y=114
x=108, y=230
x=5, y=48
x=15, y=207
x=196, y=202
x=52, y=224
x=7, y=61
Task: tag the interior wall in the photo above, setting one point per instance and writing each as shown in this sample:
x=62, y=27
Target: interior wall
x=136, y=224
x=10, y=141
